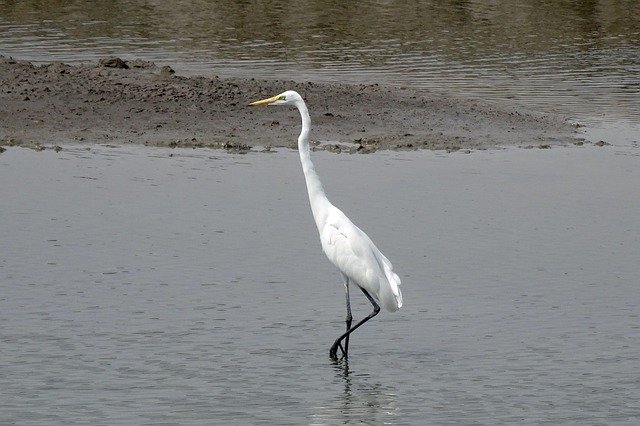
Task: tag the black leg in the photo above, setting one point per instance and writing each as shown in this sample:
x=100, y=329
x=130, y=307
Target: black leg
x=349, y=319
x=337, y=344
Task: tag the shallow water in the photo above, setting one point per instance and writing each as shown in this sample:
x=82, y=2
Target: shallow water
x=579, y=59
x=139, y=287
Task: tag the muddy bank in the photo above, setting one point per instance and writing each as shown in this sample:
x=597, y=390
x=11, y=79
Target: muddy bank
x=119, y=102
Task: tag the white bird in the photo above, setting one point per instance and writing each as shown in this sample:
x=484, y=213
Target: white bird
x=346, y=246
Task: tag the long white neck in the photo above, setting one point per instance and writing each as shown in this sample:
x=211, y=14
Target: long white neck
x=317, y=198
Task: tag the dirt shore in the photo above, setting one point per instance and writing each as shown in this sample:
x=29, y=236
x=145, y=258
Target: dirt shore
x=118, y=102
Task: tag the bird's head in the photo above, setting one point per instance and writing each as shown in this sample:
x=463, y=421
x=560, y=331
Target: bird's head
x=285, y=98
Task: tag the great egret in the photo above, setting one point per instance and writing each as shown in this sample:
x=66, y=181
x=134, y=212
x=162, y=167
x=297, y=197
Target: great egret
x=346, y=246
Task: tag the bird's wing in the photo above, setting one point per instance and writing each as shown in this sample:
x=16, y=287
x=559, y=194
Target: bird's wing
x=344, y=243
x=353, y=252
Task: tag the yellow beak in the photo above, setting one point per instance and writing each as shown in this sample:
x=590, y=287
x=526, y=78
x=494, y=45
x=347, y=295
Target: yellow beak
x=264, y=101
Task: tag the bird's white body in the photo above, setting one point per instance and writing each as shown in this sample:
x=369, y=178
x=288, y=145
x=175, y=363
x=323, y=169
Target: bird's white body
x=353, y=253
x=346, y=245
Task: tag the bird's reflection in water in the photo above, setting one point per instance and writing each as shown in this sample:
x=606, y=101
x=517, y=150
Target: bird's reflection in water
x=359, y=398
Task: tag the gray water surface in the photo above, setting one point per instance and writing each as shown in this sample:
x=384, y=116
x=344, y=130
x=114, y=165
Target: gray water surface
x=188, y=286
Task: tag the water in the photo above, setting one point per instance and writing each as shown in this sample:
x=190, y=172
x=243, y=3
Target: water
x=176, y=286
x=579, y=59
x=188, y=286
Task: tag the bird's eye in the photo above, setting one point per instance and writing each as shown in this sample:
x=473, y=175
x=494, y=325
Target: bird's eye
x=282, y=98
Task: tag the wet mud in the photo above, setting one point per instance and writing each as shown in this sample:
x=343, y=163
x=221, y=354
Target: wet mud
x=119, y=102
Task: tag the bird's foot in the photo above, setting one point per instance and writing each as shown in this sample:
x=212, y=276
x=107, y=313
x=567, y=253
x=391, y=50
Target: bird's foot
x=333, y=352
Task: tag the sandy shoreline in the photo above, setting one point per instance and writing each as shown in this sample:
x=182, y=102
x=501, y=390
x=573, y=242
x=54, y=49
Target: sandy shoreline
x=121, y=102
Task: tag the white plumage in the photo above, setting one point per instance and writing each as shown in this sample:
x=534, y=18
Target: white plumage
x=346, y=245
x=353, y=253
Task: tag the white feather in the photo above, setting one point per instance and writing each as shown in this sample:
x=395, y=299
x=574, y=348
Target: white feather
x=356, y=256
